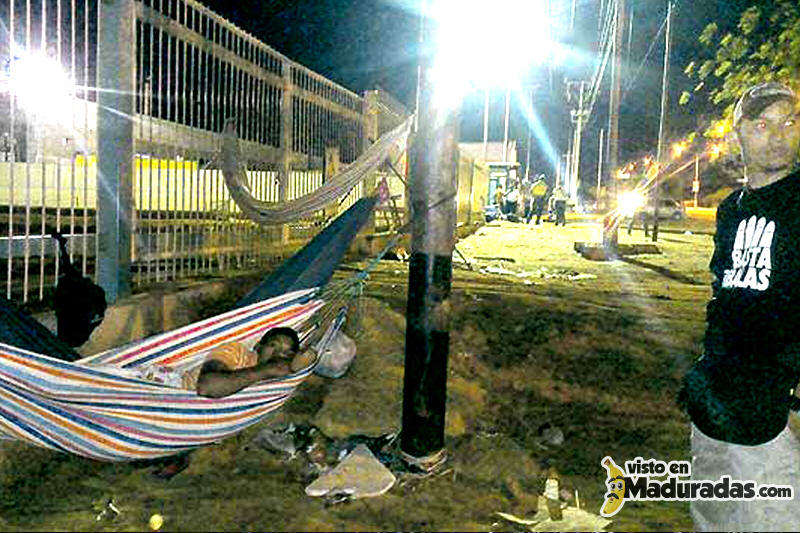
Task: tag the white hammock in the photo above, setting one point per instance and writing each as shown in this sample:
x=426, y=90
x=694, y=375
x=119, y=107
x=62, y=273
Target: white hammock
x=268, y=213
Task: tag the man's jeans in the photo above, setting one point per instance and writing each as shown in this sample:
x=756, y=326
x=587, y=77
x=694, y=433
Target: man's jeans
x=776, y=462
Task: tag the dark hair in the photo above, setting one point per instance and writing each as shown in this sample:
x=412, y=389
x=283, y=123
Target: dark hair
x=274, y=332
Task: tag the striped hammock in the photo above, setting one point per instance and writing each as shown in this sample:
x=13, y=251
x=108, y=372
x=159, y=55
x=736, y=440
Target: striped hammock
x=94, y=408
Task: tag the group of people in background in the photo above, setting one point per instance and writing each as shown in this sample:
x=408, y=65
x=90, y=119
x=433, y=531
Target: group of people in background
x=534, y=195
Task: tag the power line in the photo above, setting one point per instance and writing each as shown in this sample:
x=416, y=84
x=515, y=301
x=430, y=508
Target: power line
x=635, y=78
x=605, y=52
x=646, y=57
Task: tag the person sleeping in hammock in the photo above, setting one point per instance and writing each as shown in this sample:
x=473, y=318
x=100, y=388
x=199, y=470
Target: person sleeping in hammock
x=227, y=370
x=232, y=367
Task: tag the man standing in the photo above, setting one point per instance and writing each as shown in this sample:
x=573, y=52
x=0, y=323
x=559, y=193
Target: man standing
x=512, y=200
x=539, y=193
x=527, y=199
x=498, y=198
x=739, y=393
x=560, y=205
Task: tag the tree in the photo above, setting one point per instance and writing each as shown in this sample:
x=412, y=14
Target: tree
x=765, y=46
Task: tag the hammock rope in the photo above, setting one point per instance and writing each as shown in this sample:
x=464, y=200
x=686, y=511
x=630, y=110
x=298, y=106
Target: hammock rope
x=98, y=407
x=334, y=188
x=95, y=408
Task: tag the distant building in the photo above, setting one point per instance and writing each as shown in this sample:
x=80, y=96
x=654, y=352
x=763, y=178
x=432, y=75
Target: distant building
x=494, y=151
x=502, y=172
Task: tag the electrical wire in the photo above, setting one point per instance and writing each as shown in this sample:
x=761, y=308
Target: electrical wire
x=606, y=41
x=635, y=78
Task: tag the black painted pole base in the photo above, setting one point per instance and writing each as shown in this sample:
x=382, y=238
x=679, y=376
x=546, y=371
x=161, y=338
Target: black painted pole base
x=428, y=345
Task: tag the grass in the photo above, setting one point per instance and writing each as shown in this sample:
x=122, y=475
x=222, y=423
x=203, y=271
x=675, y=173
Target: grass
x=600, y=356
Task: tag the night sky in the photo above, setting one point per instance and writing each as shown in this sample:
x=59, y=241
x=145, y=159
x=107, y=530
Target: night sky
x=363, y=44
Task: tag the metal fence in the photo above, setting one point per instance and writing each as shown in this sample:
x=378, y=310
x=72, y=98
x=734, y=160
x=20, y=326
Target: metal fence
x=111, y=113
x=190, y=70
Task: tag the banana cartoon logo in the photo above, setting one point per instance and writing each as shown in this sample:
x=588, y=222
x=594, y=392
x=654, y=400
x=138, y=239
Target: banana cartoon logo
x=615, y=497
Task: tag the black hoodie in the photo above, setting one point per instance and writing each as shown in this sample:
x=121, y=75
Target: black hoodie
x=740, y=390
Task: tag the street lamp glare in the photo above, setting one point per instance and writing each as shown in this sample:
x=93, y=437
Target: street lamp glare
x=41, y=85
x=488, y=44
x=721, y=129
x=715, y=150
x=678, y=149
x=629, y=202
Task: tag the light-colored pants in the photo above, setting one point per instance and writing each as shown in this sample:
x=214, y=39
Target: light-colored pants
x=776, y=462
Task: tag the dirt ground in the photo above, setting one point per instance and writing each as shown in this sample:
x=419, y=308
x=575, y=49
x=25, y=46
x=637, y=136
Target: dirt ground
x=539, y=336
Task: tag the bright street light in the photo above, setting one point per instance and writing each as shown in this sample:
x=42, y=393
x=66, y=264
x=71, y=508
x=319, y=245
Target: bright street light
x=715, y=150
x=721, y=129
x=678, y=149
x=629, y=202
x=42, y=87
x=487, y=44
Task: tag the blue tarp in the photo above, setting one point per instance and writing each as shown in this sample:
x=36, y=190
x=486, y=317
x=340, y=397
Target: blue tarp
x=315, y=263
x=312, y=266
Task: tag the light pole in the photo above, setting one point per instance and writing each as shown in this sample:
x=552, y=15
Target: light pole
x=433, y=159
x=610, y=227
x=485, y=124
x=505, y=127
x=450, y=28
x=599, y=169
x=530, y=137
x=578, y=116
x=664, y=96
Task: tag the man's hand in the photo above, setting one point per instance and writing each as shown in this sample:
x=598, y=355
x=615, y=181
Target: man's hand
x=217, y=381
x=303, y=360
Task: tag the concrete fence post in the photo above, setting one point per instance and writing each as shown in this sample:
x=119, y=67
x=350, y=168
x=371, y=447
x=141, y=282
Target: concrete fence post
x=371, y=128
x=331, y=167
x=286, y=143
x=115, y=150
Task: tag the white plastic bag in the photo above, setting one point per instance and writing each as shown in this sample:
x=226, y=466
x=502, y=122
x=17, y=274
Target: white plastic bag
x=337, y=357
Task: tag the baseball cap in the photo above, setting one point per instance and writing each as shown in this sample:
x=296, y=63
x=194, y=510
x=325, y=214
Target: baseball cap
x=759, y=97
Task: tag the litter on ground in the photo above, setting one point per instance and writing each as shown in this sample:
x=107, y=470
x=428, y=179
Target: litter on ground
x=359, y=475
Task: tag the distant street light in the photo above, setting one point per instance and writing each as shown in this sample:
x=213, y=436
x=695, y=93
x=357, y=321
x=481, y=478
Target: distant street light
x=721, y=129
x=715, y=150
x=629, y=202
x=678, y=149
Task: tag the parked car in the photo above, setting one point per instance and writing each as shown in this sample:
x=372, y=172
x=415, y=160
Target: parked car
x=667, y=208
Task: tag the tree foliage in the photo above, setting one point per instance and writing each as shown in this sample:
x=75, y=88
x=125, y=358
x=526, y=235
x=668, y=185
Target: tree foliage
x=764, y=46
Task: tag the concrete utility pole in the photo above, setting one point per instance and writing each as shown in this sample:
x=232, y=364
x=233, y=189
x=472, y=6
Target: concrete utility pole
x=630, y=37
x=572, y=12
x=508, y=117
x=578, y=116
x=485, y=124
x=530, y=138
x=434, y=166
x=664, y=97
x=610, y=228
x=568, y=164
x=599, y=169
